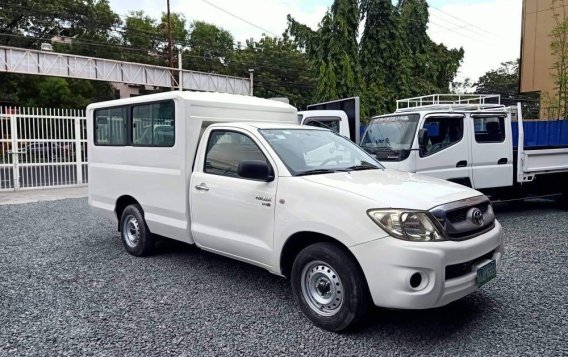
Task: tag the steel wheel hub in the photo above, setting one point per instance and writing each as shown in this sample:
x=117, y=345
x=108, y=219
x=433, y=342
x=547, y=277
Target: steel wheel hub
x=322, y=288
x=131, y=231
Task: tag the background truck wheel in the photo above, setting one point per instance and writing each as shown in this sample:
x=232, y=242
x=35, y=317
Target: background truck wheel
x=134, y=232
x=329, y=287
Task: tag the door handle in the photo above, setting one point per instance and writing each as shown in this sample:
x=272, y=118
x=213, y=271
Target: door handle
x=462, y=163
x=202, y=187
x=502, y=161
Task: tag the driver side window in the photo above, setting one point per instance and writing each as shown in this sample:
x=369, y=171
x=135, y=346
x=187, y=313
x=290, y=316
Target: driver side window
x=226, y=149
x=442, y=133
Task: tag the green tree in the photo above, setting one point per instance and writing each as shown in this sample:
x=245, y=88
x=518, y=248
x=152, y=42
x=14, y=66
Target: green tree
x=333, y=48
x=28, y=23
x=140, y=31
x=433, y=66
x=281, y=70
x=417, y=48
x=505, y=82
x=211, y=48
x=52, y=92
x=395, y=58
x=386, y=71
x=179, y=30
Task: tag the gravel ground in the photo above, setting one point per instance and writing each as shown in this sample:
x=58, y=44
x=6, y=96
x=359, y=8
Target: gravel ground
x=68, y=288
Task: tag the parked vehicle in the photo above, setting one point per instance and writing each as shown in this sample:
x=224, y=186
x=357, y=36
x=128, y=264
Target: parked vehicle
x=467, y=139
x=49, y=150
x=334, y=120
x=341, y=116
x=238, y=177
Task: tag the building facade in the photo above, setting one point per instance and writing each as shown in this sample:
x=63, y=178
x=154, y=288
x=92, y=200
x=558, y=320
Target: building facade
x=539, y=19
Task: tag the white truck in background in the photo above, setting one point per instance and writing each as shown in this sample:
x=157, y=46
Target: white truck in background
x=237, y=176
x=341, y=116
x=334, y=120
x=467, y=139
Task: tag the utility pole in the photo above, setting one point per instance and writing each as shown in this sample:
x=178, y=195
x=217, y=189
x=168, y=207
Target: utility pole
x=251, y=78
x=180, y=70
x=170, y=53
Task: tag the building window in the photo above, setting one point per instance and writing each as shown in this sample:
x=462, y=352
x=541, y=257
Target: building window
x=153, y=124
x=110, y=126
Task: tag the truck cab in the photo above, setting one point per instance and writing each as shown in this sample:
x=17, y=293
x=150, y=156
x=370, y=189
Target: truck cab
x=466, y=144
x=466, y=139
x=334, y=120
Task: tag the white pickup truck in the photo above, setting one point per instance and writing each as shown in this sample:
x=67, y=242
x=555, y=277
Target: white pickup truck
x=237, y=176
x=467, y=139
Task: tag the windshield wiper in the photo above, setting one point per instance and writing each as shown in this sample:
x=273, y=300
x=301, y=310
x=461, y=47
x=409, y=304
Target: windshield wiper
x=360, y=167
x=378, y=148
x=316, y=172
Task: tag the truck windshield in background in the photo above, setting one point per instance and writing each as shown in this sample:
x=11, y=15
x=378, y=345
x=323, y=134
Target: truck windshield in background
x=390, y=138
x=308, y=152
x=331, y=123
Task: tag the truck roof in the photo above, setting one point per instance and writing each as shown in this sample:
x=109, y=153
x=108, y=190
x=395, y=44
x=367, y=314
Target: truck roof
x=265, y=125
x=326, y=112
x=445, y=111
x=456, y=103
x=204, y=98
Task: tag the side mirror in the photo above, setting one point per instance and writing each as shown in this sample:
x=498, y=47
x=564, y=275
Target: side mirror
x=255, y=170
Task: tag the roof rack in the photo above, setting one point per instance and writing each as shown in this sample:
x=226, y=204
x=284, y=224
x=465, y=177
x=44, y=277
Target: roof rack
x=450, y=102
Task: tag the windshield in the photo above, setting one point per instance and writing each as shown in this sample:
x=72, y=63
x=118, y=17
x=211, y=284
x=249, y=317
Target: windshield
x=306, y=152
x=391, y=133
x=331, y=123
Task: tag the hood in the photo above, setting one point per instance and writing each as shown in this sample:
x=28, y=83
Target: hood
x=395, y=165
x=396, y=189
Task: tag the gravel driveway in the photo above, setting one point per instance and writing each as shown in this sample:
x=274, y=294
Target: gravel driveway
x=68, y=288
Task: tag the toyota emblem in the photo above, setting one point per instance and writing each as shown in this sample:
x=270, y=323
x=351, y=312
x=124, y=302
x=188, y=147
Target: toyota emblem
x=477, y=216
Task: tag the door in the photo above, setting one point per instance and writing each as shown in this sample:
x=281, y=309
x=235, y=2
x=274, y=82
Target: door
x=491, y=150
x=446, y=154
x=230, y=214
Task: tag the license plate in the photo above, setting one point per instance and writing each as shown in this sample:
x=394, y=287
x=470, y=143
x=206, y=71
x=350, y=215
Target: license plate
x=486, y=272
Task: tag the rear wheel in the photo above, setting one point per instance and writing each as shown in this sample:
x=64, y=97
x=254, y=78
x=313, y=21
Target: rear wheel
x=329, y=287
x=134, y=232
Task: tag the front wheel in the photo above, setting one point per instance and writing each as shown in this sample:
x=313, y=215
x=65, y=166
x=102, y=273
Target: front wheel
x=136, y=237
x=329, y=287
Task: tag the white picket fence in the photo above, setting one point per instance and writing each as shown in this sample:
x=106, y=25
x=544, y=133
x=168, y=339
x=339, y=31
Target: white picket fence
x=42, y=148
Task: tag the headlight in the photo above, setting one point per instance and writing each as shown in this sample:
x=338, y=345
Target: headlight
x=407, y=225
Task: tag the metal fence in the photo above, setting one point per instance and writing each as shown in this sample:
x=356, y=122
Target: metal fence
x=42, y=148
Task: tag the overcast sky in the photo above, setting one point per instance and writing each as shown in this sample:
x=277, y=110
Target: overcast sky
x=488, y=30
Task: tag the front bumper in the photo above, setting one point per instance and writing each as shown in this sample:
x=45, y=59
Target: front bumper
x=389, y=263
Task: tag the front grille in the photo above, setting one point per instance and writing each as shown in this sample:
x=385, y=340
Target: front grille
x=471, y=233
x=460, y=214
x=461, y=269
x=457, y=221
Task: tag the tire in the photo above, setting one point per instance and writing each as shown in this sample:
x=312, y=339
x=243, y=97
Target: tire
x=329, y=287
x=136, y=236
